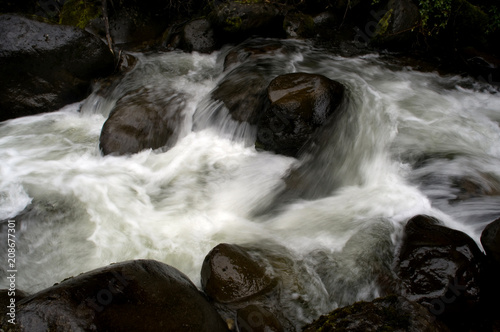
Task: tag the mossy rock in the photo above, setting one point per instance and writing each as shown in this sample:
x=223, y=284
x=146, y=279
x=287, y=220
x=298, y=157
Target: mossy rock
x=79, y=12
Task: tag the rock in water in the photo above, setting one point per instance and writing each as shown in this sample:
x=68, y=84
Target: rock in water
x=143, y=119
x=45, y=66
x=440, y=269
x=230, y=274
x=141, y=295
x=299, y=104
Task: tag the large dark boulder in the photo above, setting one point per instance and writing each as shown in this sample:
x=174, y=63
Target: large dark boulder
x=146, y=118
x=392, y=313
x=45, y=66
x=439, y=268
x=299, y=104
x=142, y=295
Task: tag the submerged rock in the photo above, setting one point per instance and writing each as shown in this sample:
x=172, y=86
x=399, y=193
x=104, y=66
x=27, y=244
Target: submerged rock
x=392, y=313
x=299, y=104
x=142, y=295
x=254, y=318
x=440, y=268
x=143, y=119
x=46, y=66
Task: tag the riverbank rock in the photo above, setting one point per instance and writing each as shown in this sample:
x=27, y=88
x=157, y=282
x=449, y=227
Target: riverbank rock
x=142, y=295
x=299, y=103
x=440, y=268
x=235, y=21
x=147, y=118
x=9, y=299
x=198, y=36
x=397, y=23
x=45, y=66
x=392, y=313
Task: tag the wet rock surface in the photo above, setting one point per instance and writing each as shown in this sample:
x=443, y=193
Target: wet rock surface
x=230, y=274
x=299, y=103
x=140, y=295
x=45, y=66
x=440, y=268
x=147, y=118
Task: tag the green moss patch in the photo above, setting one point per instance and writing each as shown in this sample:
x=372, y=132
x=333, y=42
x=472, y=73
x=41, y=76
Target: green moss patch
x=79, y=12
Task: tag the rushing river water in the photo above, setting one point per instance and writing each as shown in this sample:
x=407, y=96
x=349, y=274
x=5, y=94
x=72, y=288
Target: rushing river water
x=411, y=143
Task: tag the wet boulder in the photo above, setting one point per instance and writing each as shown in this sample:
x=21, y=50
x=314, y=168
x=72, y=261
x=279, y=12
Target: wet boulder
x=439, y=268
x=230, y=274
x=141, y=295
x=235, y=21
x=147, y=118
x=392, y=313
x=299, y=103
x=45, y=66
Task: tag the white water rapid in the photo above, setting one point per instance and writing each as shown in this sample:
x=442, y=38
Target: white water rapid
x=409, y=142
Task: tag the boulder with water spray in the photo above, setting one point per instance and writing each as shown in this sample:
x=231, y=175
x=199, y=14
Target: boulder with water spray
x=299, y=103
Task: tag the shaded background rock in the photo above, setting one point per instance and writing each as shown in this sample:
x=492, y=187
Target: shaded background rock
x=142, y=295
x=236, y=21
x=142, y=119
x=440, y=268
x=299, y=103
x=198, y=36
x=44, y=66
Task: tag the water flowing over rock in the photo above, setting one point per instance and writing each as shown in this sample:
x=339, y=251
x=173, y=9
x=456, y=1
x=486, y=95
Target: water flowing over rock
x=44, y=66
x=392, y=313
x=299, y=104
x=143, y=119
x=142, y=295
x=440, y=268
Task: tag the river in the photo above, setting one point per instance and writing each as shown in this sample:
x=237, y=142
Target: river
x=408, y=144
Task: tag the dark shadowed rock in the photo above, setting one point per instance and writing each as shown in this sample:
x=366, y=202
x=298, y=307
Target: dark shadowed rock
x=142, y=295
x=143, y=119
x=440, y=268
x=237, y=21
x=490, y=239
x=198, y=36
x=395, y=26
x=9, y=300
x=44, y=66
x=230, y=274
x=392, y=313
x=299, y=104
